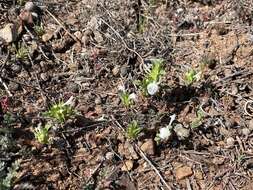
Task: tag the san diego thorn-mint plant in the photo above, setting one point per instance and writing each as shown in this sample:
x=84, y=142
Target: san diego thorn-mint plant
x=39, y=30
x=127, y=99
x=133, y=130
x=42, y=134
x=190, y=76
x=6, y=183
x=149, y=85
x=60, y=112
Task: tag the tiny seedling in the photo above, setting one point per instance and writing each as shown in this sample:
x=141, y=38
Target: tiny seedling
x=127, y=99
x=61, y=112
x=198, y=121
x=21, y=52
x=142, y=23
x=42, y=134
x=39, y=30
x=152, y=2
x=133, y=130
x=6, y=183
x=8, y=119
x=150, y=83
x=190, y=76
x=21, y=2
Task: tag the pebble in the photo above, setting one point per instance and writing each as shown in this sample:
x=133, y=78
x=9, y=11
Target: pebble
x=230, y=141
x=116, y=70
x=246, y=131
x=44, y=77
x=123, y=70
x=98, y=101
x=109, y=155
x=13, y=86
x=183, y=172
x=27, y=37
x=251, y=124
x=47, y=36
x=16, y=68
x=9, y=33
x=78, y=34
x=234, y=89
x=181, y=132
x=29, y=6
x=127, y=166
x=73, y=88
x=148, y=147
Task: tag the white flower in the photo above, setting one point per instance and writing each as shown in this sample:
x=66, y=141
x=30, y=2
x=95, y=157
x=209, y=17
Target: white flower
x=164, y=133
x=133, y=97
x=172, y=118
x=152, y=88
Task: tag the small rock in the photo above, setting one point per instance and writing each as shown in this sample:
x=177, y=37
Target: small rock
x=127, y=166
x=123, y=70
x=27, y=37
x=199, y=175
x=127, y=149
x=99, y=109
x=109, y=155
x=98, y=37
x=183, y=172
x=44, y=77
x=230, y=141
x=98, y=101
x=16, y=68
x=78, y=34
x=29, y=6
x=87, y=36
x=47, y=36
x=148, y=147
x=116, y=70
x=246, y=131
x=73, y=88
x=218, y=160
x=181, y=132
x=85, y=40
x=251, y=124
x=234, y=90
x=13, y=86
x=9, y=33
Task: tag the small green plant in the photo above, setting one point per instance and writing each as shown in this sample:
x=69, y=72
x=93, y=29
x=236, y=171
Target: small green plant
x=127, y=99
x=6, y=180
x=21, y=52
x=42, y=134
x=190, y=76
x=133, y=130
x=61, y=111
x=152, y=2
x=142, y=23
x=150, y=83
x=39, y=30
x=8, y=119
x=21, y=2
x=198, y=121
